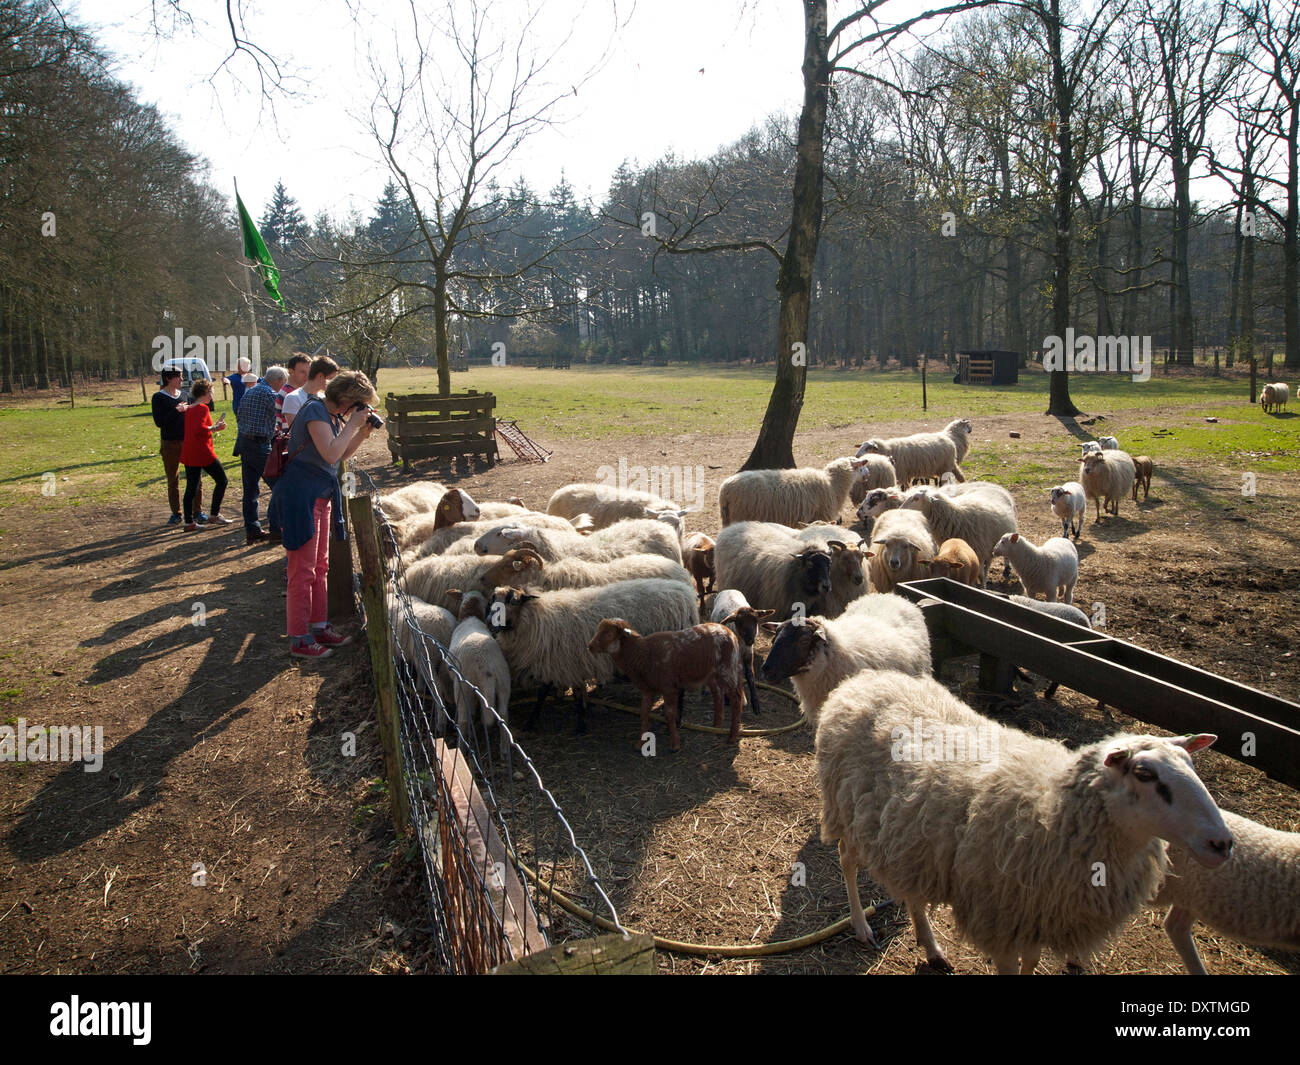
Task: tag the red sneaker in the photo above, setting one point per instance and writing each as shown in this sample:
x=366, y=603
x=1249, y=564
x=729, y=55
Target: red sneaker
x=310, y=650
x=331, y=638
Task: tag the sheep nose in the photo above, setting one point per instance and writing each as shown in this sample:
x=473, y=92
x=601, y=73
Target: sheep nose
x=1222, y=846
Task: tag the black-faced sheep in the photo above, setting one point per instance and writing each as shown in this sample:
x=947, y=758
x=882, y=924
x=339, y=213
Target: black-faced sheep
x=773, y=569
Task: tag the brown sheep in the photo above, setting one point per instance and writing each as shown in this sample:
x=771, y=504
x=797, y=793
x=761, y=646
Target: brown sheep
x=956, y=559
x=1143, y=464
x=697, y=553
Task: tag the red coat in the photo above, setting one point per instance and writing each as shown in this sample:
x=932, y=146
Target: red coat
x=197, y=450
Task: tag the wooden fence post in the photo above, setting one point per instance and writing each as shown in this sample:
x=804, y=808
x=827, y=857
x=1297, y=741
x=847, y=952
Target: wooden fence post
x=340, y=602
x=381, y=657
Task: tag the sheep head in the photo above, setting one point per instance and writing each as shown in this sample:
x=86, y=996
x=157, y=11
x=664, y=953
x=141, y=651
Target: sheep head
x=746, y=620
x=609, y=637
x=454, y=507
x=794, y=646
x=814, y=570
x=1003, y=547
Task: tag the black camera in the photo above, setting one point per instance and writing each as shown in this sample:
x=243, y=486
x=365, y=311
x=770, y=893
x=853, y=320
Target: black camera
x=373, y=419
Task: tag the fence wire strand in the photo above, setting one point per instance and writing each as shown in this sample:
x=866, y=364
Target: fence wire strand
x=479, y=808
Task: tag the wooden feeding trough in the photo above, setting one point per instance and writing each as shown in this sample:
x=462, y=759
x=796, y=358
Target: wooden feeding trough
x=1258, y=729
x=987, y=368
x=426, y=426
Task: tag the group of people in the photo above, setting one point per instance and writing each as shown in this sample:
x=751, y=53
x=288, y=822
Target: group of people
x=326, y=414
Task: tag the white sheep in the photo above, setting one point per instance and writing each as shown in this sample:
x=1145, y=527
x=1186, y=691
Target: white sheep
x=1108, y=443
x=875, y=632
x=959, y=430
x=420, y=535
x=899, y=540
x=942, y=805
x=1051, y=570
x=772, y=568
x=1255, y=898
x=415, y=498
x=787, y=496
x=978, y=515
x=524, y=567
x=1062, y=611
x=731, y=608
x=545, y=636
x=484, y=676
x=1273, y=397
x=1108, y=476
x=877, y=501
x=627, y=537
x=917, y=457
x=1070, y=504
x=433, y=577
x=869, y=472
x=605, y=503
x=424, y=652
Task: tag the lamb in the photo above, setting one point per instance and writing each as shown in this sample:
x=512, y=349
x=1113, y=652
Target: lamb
x=1254, y=899
x=1107, y=475
x=1089, y=447
x=870, y=471
x=956, y=559
x=959, y=430
x=1142, y=466
x=482, y=675
x=901, y=539
x=917, y=457
x=1107, y=443
x=697, y=553
x=606, y=504
x=666, y=663
x=732, y=609
x=1007, y=828
x=979, y=516
x=436, y=623
x=1273, y=397
x=848, y=564
x=1070, y=504
x=416, y=498
x=523, y=567
x=545, y=636
x=1063, y=611
x=876, y=632
x=1051, y=570
x=629, y=537
x=787, y=496
x=773, y=569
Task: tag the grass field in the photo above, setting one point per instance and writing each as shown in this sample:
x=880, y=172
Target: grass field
x=105, y=450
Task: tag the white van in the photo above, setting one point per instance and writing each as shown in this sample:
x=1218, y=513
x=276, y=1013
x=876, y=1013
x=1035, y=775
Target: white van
x=191, y=370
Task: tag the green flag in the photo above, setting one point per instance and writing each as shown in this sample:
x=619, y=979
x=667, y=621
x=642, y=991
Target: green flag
x=255, y=249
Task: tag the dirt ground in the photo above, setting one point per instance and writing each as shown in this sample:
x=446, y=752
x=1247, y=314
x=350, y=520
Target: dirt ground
x=222, y=751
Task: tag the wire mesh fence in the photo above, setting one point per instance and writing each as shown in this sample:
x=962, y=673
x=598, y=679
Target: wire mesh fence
x=500, y=858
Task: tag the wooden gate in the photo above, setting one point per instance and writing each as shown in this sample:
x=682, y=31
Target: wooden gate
x=428, y=426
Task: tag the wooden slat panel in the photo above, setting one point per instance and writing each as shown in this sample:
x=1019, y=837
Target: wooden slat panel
x=420, y=429
x=451, y=449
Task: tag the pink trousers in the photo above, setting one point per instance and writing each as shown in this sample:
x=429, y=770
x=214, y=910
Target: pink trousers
x=307, y=602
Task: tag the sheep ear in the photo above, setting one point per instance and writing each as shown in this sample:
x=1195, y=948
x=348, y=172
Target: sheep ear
x=1194, y=742
x=772, y=626
x=1014, y=537
x=760, y=614
x=1118, y=757
x=868, y=554
x=730, y=617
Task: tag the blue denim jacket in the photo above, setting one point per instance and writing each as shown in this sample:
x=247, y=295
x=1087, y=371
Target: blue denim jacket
x=293, y=503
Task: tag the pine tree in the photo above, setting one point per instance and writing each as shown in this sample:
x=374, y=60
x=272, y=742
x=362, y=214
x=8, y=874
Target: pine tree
x=283, y=221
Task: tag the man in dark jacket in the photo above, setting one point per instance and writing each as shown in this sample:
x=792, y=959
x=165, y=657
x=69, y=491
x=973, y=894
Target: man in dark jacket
x=256, y=417
x=169, y=415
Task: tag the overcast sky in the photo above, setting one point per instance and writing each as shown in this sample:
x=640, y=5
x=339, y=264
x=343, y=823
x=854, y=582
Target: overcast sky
x=682, y=75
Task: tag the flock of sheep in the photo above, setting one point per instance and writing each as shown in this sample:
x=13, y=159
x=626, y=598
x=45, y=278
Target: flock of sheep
x=1042, y=848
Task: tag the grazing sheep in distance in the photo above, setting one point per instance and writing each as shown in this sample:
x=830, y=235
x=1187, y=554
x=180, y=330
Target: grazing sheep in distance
x=666, y=663
x=1273, y=397
x=732, y=609
x=1070, y=504
x=917, y=457
x=870, y=471
x=1051, y=570
x=900, y=538
x=1142, y=466
x=1254, y=899
x=605, y=503
x=1004, y=827
x=1107, y=475
x=697, y=553
x=787, y=496
x=978, y=515
x=959, y=430
x=545, y=636
x=773, y=569
x=481, y=664
x=876, y=632
x=956, y=559
x=628, y=537
x=522, y=567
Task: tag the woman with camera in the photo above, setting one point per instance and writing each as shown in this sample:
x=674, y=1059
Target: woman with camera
x=324, y=432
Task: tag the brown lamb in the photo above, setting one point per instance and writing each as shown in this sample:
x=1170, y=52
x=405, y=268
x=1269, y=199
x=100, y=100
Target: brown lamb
x=1144, y=466
x=956, y=559
x=697, y=554
x=665, y=663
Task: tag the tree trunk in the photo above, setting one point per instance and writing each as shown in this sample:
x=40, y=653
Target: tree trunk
x=1248, y=283
x=1181, y=298
x=1291, y=243
x=1234, y=298
x=440, y=347
x=774, y=448
x=1059, y=402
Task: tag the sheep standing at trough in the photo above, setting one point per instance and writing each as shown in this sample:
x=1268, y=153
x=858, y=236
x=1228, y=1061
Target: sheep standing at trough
x=1051, y=570
x=697, y=553
x=1004, y=827
x=979, y=516
x=633, y=537
x=1273, y=397
x=606, y=504
x=917, y=457
x=732, y=609
x=955, y=559
x=787, y=497
x=1254, y=899
x=545, y=636
x=1142, y=466
x=773, y=569
x=480, y=663
x=876, y=632
x=899, y=540
x=1070, y=504
x=666, y=663
x=1108, y=476
x=869, y=472
x=522, y=567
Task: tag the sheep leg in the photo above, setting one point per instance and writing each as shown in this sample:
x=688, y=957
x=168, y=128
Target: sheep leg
x=716, y=692
x=925, y=936
x=542, y=692
x=956, y=472
x=673, y=714
x=1178, y=926
x=647, y=701
x=1029, y=962
x=580, y=701
x=1098, y=521
x=849, y=870
x=736, y=698
x=1007, y=964
x=1069, y=592
x=748, y=663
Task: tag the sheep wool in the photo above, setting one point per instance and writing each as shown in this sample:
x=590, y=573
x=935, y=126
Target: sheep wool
x=787, y=496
